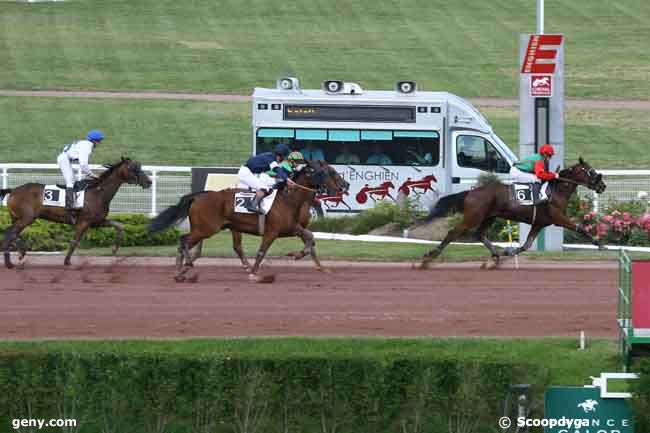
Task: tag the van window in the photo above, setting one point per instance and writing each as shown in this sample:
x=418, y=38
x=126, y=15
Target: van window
x=359, y=147
x=476, y=152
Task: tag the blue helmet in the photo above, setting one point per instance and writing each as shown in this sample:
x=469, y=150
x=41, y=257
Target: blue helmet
x=95, y=135
x=282, y=150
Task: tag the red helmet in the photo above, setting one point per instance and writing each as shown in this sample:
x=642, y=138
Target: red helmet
x=547, y=149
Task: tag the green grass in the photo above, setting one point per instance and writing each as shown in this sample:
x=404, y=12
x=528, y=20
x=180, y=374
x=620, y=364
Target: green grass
x=211, y=133
x=567, y=365
x=153, y=132
x=220, y=245
x=469, y=48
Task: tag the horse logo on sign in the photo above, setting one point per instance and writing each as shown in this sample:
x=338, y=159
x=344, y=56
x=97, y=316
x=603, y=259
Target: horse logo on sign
x=588, y=405
x=541, y=86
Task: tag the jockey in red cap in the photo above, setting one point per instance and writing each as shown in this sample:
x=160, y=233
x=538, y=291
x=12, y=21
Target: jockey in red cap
x=535, y=168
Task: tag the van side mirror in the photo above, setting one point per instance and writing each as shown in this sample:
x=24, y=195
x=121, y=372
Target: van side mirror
x=503, y=166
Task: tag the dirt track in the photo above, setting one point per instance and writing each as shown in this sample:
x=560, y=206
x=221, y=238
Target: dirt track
x=137, y=298
x=586, y=104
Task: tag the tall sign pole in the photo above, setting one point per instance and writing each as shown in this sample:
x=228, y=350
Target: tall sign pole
x=541, y=108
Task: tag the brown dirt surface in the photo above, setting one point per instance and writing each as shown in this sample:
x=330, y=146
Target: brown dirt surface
x=586, y=104
x=137, y=297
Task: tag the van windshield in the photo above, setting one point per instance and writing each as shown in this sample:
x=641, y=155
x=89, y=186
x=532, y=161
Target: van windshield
x=356, y=146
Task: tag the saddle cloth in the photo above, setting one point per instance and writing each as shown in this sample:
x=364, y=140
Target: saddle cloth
x=55, y=196
x=524, y=193
x=243, y=198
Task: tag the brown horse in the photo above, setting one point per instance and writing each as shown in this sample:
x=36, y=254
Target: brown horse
x=212, y=211
x=482, y=205
x=26, y=205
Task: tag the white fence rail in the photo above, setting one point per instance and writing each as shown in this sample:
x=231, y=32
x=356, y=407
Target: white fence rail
x=622, y=185
x=169, y=183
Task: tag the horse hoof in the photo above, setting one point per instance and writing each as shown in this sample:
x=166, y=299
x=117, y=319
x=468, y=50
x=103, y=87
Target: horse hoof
x=261, y=279
x=179, y=278
x=323, y=270
x=490, y=264
x=66, y=263
x=9, y=265
x=194, y=278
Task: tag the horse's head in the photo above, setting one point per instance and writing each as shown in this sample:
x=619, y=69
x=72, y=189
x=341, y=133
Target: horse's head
x=320, y=176
x=131, y=172
x=585, y=175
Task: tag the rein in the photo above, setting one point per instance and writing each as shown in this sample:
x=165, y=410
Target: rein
x=297, y=185
x=564, y=179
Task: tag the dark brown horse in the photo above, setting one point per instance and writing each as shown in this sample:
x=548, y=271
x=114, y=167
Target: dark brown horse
x=482, y=205
x=212, y=211
x=26, y=205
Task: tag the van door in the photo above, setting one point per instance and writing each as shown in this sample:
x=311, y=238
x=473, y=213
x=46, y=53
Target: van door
x=473, y=154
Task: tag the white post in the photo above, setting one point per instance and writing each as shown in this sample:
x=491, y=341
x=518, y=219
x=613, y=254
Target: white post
x=5, y=183
x=540, y=17
x=595, y=202
x=154, y=192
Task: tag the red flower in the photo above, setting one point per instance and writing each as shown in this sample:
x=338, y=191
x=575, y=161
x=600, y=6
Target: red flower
x=602, y=229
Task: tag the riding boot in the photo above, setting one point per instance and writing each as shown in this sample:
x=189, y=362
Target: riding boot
x=256, y=204
x=69, y=205
x=540, y=193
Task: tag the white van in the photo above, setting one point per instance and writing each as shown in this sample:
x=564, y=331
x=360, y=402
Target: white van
x=384, y=143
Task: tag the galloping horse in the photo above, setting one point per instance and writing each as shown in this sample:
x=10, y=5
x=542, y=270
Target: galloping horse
x=212, y=211
x=26, y=205
x=481, y=206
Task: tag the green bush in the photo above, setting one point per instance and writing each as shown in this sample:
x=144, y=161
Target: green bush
x=641, y=400
x=402, y=213
x=48, y=236
x=135, y=234
x=182, y=393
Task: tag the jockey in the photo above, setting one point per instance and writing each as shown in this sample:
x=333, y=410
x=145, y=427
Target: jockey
x=256, y=173
x=534, y=169
x=77, y=151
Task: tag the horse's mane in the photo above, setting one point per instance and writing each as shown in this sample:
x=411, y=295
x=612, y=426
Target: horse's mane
x=110, y=168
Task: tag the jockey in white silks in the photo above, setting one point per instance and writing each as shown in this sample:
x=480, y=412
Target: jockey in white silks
x=78, y=151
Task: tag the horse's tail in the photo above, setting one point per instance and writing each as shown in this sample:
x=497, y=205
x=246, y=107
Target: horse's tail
x=4, y=192
x=173, y=214
x=448, y=204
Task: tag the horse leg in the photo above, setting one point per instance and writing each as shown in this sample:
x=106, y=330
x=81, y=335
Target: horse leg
x=21, y=245
x=13, y=234
x=184, y=259
x=481, y=235
x=119, y=233
x=564, y=221
x=79, y=230
x=236, y=246
x=198, y=252
x=10, y=235
x=267, y=240
x=310, y=246
x=297, y=255
x=532, y=234
x=452, y=235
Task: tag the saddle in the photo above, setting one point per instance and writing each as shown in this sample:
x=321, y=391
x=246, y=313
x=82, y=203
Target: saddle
x=78, y=186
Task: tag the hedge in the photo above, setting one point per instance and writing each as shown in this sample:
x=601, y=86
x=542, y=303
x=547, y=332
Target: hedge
x=47, y=236
x=176, y=393
x=641, y=400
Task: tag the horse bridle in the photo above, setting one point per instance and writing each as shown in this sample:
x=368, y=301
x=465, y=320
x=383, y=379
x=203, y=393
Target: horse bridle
x=589, y=174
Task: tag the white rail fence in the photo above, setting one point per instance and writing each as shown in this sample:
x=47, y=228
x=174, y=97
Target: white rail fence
x=169, y=183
